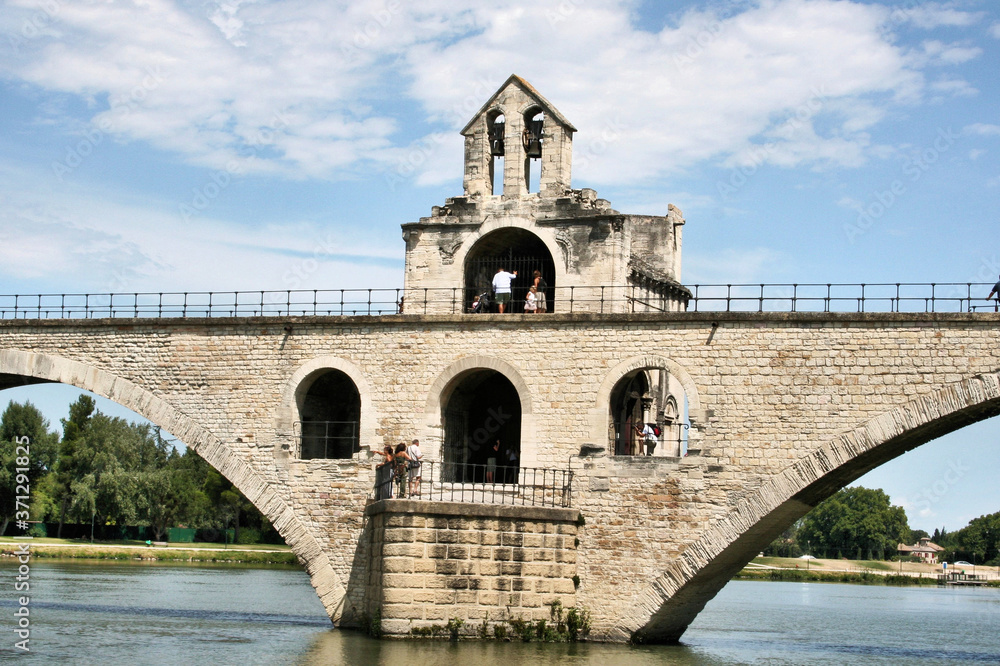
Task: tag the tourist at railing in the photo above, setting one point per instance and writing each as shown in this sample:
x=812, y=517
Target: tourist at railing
x=501, y=287
x=384, y=473
x=402, y=466
x=531, y=301
x=647, y=435
x=995, y=290
x=491, y=462
x=413, y=451
x=539, y=285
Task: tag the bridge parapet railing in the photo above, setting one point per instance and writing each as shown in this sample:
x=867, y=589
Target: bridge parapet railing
x=479, y=484
x=791, y=297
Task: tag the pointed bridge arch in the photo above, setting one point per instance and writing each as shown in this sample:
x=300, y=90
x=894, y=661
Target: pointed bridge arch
x=40, y=368
x=667, y=605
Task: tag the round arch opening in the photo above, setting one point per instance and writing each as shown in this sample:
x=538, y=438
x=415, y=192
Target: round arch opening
x=481, y=411
x=512, y=249
x=647, y=398
x=329, y=417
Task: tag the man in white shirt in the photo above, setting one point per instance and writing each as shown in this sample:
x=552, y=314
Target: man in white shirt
x=648, y=437
x=413, y=450
x=501, y=287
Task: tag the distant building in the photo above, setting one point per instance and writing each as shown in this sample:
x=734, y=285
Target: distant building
x=923, y=549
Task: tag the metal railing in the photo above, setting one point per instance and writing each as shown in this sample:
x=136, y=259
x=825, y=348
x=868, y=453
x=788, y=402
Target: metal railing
x=327, y=439
x=462, y=482
x=830, y=297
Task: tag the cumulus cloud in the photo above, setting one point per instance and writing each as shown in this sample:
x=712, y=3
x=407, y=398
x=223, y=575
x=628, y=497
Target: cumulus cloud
x=98, y=242
x=292, y=88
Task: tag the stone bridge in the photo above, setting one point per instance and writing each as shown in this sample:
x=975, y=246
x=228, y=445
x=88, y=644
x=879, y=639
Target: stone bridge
x=785, y=409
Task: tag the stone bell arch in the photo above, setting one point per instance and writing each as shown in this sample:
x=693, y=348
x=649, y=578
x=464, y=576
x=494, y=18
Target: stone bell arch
x=518, y=164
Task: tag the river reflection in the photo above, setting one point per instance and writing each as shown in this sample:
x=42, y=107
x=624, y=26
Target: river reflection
x=142, y=613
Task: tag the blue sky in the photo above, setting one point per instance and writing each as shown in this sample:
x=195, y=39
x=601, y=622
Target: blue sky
x=178, y=145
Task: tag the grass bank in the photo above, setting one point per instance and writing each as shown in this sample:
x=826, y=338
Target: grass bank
x=812, y=575
x=68, y=549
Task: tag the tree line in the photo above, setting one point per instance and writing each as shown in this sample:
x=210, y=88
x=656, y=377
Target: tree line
x=112, y=473
x=862, y=524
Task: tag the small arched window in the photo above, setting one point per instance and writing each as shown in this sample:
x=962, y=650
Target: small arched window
x=496, y=124
x=532, y=138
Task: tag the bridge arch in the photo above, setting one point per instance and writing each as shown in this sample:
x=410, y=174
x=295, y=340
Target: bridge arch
x=50, y=368
x=451, y=379
x=669, y=603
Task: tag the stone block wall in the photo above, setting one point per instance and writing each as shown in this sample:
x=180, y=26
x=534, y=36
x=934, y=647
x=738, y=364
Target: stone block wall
x=434, y=561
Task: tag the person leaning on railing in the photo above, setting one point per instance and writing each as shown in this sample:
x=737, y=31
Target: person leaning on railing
x=402, y=466
x=384, y=472
x=995, y=290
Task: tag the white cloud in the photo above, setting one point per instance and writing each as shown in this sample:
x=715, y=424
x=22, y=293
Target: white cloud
x=930, y=15
x=295, y=84
x=95, y=241
x=995, y=30
x=982, y=129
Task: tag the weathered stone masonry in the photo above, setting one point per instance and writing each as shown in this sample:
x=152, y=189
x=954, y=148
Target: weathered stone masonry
x=786, y=408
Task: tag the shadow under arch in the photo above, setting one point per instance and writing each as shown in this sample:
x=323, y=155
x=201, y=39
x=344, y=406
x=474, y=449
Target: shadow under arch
x=43, y=368
x=513, y=244
x=442, y=387
x=667, y=605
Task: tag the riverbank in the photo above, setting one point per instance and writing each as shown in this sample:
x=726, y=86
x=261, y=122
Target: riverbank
x=855, y=572
x=215, y=553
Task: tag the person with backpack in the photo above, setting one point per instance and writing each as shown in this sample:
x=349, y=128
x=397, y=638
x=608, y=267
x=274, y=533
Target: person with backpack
x=648, y=435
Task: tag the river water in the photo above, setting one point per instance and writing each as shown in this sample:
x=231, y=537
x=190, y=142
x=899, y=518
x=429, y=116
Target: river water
x=142, y=613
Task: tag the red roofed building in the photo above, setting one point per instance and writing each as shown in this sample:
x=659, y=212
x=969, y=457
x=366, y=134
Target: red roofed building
x=923, y=549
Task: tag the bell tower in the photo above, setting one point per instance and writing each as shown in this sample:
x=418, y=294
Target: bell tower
x=519, y=212
x=518, y=144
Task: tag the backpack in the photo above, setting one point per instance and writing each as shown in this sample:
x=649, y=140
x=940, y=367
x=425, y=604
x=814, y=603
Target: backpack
x=656, y=429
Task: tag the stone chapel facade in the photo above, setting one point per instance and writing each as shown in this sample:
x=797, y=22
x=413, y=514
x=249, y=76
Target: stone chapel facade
x=520, y=212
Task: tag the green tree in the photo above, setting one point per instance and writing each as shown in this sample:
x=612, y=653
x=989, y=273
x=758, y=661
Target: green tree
x=855, y=520
x=22, y=425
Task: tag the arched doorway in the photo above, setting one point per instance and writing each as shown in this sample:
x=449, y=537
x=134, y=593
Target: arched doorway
x=512, y=249
x=647, y=396
x=330, y=415
x=628, y=412
x=481, y=408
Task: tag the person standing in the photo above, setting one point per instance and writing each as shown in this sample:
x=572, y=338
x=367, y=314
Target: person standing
x=501, y=287
x=538, y=282
x=530, y=301
x=413, y=450
x=491, y=462
x=995, y=290
x=383, y=474
x=648, y=440
x=401, y=463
